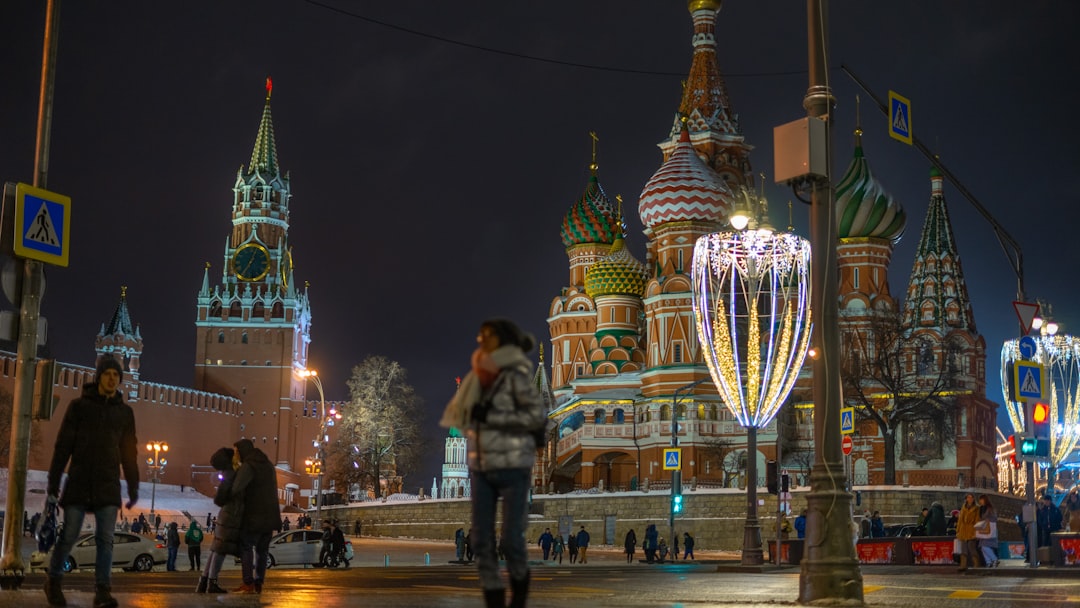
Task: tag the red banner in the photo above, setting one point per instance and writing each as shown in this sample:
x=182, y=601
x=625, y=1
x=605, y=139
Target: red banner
x=877, y=553
x=935, y=552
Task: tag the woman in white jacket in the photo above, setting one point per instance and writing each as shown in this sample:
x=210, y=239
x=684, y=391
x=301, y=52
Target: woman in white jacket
x=986, y=531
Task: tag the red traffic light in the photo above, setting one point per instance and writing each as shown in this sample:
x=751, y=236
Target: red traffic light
x=1040, y=413
x=1013, y=460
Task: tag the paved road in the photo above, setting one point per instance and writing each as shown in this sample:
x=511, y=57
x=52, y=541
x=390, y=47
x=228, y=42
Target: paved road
x=605, y=582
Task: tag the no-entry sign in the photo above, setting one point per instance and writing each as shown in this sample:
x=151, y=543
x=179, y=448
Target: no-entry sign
x=847, y=445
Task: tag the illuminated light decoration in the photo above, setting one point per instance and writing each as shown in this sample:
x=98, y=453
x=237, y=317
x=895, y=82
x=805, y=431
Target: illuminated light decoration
x=1060, y=356
x=752, y=309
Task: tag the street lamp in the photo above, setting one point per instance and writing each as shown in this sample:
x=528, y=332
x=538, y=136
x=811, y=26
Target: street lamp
x=320, y=442
x=156, y=463
x=751, y=307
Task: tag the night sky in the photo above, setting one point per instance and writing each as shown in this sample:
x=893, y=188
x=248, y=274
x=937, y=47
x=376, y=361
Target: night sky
x=434, y=148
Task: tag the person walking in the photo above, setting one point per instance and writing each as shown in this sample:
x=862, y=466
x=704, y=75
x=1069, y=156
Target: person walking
x=226, y=525
x=571, y=547
x=651, y=543
x=800, y=525
x=986, y=531
x=965, y=533
x=1070, y=508
x=545, y=542
x=503, y=418
x=256, y=481
x=285, y=524
x=157, y=524
x=97, y=437
x=935, y=521
x=877, y=525
x=1048, y=520
x=337, y=539
x=172, y=546
x=459, y=544
x=663, y=549
x=193, y=540
x=688, y=546
x=583, y=545
x=557, y=549
x=630, y=545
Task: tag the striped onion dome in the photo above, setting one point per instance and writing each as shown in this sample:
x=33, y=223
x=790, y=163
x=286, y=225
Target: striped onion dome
x=684, y=189
x=618, y=273
x=863, y=208
x=592, y=219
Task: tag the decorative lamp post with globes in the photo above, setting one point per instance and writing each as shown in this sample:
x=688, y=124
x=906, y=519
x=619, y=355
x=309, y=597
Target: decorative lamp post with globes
x=156, y=463
x=315, y=466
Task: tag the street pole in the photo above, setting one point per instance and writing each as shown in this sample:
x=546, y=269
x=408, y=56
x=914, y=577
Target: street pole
x=29, y=313
x=321, y=455
x=676, y=476
x=830, y=571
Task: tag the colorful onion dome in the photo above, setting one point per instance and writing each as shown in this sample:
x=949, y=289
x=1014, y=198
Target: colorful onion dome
x=863, y=208
x=592, y=219
x=618, y=273
x=683, y=189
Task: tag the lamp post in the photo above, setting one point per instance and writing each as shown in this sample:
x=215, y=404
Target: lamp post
x=751, y=306
x=676, y=476
x=320, y=441
x=156, y=463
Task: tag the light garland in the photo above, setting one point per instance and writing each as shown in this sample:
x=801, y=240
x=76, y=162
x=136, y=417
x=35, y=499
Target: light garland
x=752, y=311
x=1060, y=356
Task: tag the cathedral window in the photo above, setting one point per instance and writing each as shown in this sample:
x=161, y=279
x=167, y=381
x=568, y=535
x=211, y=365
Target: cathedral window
x=215, y=310
x=234, y=310
x=676, y=352
x=244, y=340
x=620, y=416
x=600, y=416
x=855, y=278
x=665, y=412
x=221, y=340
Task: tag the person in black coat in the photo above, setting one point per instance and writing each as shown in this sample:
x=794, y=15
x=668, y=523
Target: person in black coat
x=227, y=523
x=97, y=438
x=256, y=481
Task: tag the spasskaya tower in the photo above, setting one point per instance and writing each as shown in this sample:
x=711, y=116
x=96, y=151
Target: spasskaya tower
x=253, y=328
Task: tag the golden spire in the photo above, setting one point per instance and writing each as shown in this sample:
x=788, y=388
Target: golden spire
x=698, y=5
x=595, y=140
x=123, y=291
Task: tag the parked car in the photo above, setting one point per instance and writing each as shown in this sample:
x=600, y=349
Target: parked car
x=130, y=552
x=901, y=530
x=295, y=547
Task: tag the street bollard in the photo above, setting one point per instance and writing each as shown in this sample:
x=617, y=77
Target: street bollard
x=386, y=560
x=427, y=559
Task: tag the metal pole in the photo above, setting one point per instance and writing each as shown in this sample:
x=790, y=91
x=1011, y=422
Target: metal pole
x=153, y=490
x=322, y=450
x=830, y=571
x=30, y=310
x=751, y=549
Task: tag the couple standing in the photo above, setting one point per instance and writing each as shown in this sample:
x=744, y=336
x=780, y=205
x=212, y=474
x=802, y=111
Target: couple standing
x=249, y=516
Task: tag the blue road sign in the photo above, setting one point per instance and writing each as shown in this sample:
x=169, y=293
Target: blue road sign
x=1028, y=348
x=847, y=420
x=42, y=225
x=672, y=459
x=900, y=117
x=1027, y=381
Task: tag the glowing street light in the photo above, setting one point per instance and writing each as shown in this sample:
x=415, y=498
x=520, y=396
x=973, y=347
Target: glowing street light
x=156, y=463
x=320, y=442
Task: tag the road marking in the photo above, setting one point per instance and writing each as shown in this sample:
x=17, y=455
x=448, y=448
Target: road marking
x=965, y=594
x=872, y=588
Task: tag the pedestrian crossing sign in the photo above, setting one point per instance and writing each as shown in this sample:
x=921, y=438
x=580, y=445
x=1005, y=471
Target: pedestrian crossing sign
x=900, y=117
x=672, y=459
x=847, y=420
x=1028, y=381
x=42, y=225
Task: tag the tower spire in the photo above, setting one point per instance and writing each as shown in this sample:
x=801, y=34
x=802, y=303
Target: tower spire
x=264, y=155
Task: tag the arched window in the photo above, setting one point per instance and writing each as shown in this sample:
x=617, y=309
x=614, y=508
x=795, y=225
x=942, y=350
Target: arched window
x=221, y=337
x=234, y=309
x=681, y=411
x=243, y=338
x=600, y=416
x=665, y=412
x=258, y=311
x=620, y=416
x=215, y=310
x=572, y=423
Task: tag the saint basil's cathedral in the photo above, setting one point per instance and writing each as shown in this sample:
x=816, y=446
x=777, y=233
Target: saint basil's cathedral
x=625, y=358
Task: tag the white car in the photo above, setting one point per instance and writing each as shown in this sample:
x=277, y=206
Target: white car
x=300, y=547
x=130, y=552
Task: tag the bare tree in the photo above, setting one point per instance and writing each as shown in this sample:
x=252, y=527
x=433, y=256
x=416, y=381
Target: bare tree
x=900, y=379
x=379, y=434
x=730, y=461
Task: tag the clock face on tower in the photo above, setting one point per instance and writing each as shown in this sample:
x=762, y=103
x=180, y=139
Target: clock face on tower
x=251, y=262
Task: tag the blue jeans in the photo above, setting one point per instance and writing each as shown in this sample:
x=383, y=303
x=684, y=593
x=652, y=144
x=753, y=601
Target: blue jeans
x=170, y=564
x=254, y=545
x=104, y=526
x=487, y=486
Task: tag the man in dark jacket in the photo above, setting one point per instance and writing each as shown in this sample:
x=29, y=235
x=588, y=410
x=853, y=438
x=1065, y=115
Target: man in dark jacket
x=97, y=437
x=256, y=481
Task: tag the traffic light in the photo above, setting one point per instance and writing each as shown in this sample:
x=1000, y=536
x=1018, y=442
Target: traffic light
x=771, y=479
x=676, y=503
x=1013, y=455
x=1035, y=444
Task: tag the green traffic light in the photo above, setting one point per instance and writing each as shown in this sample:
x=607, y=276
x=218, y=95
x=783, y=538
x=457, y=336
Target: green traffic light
x=676, y=503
